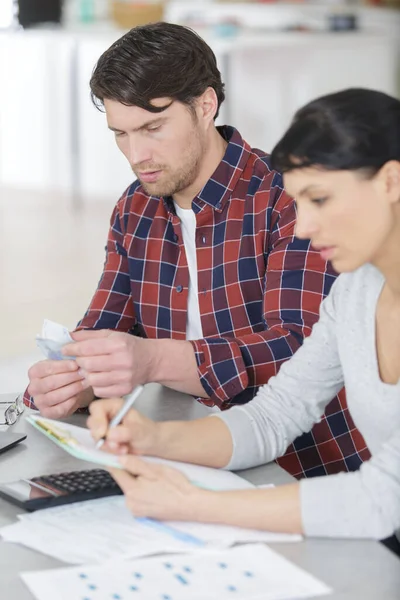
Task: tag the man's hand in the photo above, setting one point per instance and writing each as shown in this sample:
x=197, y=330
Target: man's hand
x=156, y=491
x=58, y=388
x=136, y=435
x=112, y=362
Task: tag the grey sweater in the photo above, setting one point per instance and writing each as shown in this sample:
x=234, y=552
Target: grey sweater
x=340, y=350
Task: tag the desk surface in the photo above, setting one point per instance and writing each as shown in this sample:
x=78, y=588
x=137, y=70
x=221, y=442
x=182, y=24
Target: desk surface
x=354, y=569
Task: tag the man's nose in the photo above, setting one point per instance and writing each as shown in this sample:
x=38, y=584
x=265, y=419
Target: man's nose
x=139, y=153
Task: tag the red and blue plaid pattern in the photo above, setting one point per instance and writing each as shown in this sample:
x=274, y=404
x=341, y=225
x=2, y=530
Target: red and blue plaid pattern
x=260, y=289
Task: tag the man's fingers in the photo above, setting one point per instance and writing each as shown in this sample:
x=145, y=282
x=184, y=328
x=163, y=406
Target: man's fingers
x=120, y=389
x=45, y=368
x=59, y=411
x=59, y=396
x=104, y=363
x=107, y=379
x=92, y=347
x=104, y=342
x=53, y=382
x=90, y=334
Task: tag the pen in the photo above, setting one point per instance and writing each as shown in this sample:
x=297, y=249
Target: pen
x=129, y=400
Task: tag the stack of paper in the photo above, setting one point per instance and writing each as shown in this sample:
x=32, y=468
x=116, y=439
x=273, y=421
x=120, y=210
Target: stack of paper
x=252, y=572
x=107, y=530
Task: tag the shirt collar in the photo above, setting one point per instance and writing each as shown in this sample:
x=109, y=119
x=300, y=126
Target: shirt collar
x=219, y=187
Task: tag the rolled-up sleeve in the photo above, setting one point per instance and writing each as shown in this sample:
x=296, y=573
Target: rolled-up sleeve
x=231, y=369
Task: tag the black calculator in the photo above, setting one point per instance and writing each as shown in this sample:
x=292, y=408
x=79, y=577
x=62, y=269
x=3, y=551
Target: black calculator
x=61, y=488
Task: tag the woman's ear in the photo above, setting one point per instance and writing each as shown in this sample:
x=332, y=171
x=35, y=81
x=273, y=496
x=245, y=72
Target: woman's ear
x=389, y=176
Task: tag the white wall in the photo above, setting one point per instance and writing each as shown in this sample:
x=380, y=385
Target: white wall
x=35, y=110
x=103, y=170
x=269, y=85
x=51, y=136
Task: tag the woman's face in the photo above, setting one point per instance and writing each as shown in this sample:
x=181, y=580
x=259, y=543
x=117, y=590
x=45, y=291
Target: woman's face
x=347, y=216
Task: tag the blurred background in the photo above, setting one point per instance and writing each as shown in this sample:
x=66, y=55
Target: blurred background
x=60, y=171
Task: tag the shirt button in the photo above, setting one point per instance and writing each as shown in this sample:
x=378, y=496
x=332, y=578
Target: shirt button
x=176, y=237
x=179, y=288
x=203, y=239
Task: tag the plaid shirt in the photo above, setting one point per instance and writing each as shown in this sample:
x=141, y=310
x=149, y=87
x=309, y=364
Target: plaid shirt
x=259, y=291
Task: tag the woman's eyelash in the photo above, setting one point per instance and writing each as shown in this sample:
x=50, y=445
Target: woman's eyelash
x=319, y=200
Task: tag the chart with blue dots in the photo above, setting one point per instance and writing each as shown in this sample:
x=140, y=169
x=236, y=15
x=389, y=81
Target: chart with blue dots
x=248, y=572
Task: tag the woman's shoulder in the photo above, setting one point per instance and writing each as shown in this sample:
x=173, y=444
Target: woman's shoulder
x=353, y=290
x=364, y=278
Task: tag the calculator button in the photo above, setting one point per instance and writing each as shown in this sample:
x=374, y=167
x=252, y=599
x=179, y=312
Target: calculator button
x=81, y=482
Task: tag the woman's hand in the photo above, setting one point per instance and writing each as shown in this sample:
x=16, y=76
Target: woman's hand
x=135, y=435
x=157, y=491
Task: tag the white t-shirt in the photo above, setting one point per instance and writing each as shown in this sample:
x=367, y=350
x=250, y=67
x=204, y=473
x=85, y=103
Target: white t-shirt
x=194, y=330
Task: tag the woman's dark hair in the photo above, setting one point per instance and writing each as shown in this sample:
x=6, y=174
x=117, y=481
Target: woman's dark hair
x=159, y=60
x=349, y=130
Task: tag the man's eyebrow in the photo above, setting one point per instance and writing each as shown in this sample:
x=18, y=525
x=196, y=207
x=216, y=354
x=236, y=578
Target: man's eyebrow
x=157, y=121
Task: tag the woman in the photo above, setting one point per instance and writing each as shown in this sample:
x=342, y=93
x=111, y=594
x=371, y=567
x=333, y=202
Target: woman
x=341, y=161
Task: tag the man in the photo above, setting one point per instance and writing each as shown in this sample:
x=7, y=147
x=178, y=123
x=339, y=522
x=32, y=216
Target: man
x=205, y=288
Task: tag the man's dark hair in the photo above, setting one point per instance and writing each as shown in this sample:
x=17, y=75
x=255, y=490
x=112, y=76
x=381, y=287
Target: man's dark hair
x=355, y=129
x=159, y=60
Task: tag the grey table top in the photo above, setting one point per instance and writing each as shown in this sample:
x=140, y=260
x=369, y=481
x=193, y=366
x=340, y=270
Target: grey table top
x=354, y=569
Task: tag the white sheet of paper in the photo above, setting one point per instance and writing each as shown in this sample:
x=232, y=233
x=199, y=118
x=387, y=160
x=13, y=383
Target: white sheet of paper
x=90, y=532
x=245, y=573
x=107, y=530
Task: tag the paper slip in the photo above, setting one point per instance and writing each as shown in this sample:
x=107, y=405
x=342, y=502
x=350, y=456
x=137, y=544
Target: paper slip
x=107, y=530
x=93, y=531
x=252, y=572
x=53, y=337
x=78, y=442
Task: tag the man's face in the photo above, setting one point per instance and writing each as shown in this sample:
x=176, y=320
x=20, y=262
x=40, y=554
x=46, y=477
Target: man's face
x=164, y=149
x=344, y=213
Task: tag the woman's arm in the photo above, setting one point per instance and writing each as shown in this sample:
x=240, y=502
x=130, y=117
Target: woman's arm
x=248, y=435
x=294, y=399
x=365, y=504
x=164, y=493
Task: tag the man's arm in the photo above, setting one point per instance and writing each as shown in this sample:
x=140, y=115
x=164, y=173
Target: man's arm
x=226, y=368
x=222, y=370
x=296, y=281
x=55, y=387
x=111, y=306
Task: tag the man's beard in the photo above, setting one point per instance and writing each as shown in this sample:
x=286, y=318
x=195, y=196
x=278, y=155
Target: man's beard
x=177, y=181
